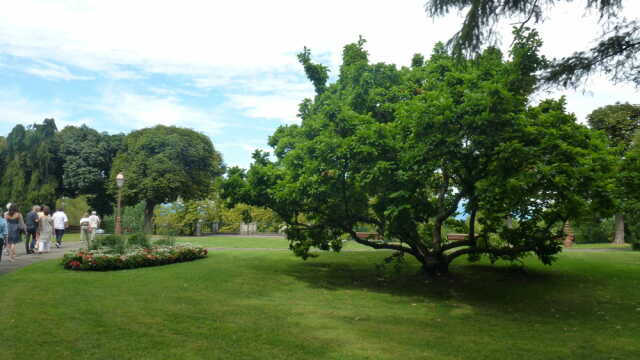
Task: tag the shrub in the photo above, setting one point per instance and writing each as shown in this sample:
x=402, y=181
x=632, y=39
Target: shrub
x=139, y=239
x=166, y=241
x=139, y=257
x=132, y=219
x=593, y=230
x=110, y=241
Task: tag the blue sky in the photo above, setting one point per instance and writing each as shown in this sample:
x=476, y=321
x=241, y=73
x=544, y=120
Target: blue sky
x=227, y=69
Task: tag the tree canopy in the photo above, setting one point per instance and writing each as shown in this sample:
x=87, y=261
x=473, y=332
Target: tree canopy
x=164, y=163
x=617, y=52
x=31, y=165
x=87, y=156
x=621, y=124
x=400, y=150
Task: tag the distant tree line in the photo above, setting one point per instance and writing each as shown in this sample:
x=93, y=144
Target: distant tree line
x=40, y=164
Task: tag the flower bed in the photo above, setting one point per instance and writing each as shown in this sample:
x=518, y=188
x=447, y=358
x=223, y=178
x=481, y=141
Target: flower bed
x=98, y=260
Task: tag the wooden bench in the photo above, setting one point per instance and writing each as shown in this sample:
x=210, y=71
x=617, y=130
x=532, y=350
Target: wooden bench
x=458, y=237
x=369, y=236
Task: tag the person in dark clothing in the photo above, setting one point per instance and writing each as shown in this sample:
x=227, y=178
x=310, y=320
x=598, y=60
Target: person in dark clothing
x=31, y=221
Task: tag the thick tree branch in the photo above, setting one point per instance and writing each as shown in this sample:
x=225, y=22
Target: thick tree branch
x=457, y=244
x=377, y=245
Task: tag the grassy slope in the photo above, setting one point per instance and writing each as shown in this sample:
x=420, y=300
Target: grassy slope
x=270, y=305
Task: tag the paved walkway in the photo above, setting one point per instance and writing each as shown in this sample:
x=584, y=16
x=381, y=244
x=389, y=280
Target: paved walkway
x=22, y=259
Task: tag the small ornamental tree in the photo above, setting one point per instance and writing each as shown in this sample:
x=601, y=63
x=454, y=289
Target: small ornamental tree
x=400, y=150
x=163, y=163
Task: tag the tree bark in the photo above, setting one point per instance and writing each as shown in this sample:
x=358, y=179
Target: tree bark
x=509, y=222
x=619, y=228
x=148, y=217
x=435, y=264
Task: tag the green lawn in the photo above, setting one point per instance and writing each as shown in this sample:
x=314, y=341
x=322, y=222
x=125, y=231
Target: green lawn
x=271, y=305
x=267, y=242
x=601, y=246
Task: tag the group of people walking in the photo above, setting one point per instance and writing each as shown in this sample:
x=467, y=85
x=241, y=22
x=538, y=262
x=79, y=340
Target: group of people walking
x=39, y=227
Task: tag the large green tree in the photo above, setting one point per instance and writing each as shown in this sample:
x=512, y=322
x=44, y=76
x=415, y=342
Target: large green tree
x=32, y=167
x=629, y=181
x=399, y=150
x=87, y=156
x=163, y=163
x=621, y=124
x=617, y=52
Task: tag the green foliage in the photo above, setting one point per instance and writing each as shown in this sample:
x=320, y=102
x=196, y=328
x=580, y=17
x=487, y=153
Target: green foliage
x=111, y=241
x=132, y=219
x=620, y=122
x=87, y=156
x=617, y=52
x=593, y=230
x=139, y=239
x=266, y=219
x=74, y=208
x=400, y=149
x=31, y=166
x=164, y=163
x=181, y=217
x=167, y=240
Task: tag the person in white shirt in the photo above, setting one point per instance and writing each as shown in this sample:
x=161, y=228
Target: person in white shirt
x=60, y=222
x=84, y=230
x=94, y=224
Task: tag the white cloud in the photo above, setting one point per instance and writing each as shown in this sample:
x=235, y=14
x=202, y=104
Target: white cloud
x=244, y=50
x=52, y=71
x=280, y=107
x=133, y=111
x=17, y=109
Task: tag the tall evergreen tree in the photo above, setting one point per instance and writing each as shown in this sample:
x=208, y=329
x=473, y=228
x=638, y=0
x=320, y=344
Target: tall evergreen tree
x=32, y=165
x=617, y=52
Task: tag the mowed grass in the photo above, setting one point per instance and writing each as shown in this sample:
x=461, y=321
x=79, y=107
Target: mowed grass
x=601, y=246
x=271, y=305
x=253, y=242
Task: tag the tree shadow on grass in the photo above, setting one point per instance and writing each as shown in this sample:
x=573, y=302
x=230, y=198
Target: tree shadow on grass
x=496, y=287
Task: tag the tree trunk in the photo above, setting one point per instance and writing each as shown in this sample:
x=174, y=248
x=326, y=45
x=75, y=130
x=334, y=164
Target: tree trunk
x=437, y=235
x=509, y=222
x=436, y=264
x=148, y=217
x=619, y=227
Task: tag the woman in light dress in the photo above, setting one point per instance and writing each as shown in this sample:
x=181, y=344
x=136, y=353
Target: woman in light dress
x=45, y=228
